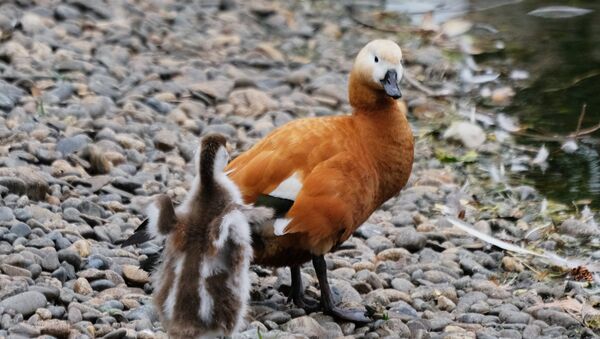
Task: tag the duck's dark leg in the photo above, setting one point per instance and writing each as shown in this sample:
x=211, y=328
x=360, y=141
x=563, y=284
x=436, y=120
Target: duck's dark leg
x=327, y=298
x=297, y=292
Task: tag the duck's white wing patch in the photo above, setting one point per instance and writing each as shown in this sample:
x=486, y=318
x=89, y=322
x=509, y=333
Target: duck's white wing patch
x=280, y=225
x=289, y=188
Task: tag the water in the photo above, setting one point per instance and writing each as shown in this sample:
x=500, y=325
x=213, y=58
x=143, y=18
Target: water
x=562, y=56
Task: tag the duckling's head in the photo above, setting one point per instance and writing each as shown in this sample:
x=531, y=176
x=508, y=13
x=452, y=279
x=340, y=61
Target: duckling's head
x=213, y=157
x=378, y=66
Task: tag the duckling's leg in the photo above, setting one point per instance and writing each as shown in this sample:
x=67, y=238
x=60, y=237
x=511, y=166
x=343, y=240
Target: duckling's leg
x=327, y=298
x=297, y=292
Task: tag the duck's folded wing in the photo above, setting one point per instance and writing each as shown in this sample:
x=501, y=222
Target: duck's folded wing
x=336, y=197
x=277, y=165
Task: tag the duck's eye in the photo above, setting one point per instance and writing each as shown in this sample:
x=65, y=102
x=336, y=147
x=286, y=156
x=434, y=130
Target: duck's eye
x=376, y=59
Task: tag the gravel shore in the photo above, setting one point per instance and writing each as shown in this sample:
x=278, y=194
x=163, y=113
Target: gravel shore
x=103, y=103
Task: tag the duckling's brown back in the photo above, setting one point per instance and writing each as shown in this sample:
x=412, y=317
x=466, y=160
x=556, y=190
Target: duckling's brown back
x=202, y=285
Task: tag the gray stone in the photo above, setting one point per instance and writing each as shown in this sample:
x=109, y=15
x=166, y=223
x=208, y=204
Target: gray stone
x=6, y=214
x=72, y=144
x=402, y=218
x=50, y=259
x=90, y=208
x=142, y=312
x=21, y=229
x=402, y=285
x=70, y=256
x=40, y=243
x=15, y=271
x=410, y=239
x=25, y=303
x=555, y=317
x=50, y=292
x=277, y=317
x=512, y=317
x=578, y=228
x=307, y=326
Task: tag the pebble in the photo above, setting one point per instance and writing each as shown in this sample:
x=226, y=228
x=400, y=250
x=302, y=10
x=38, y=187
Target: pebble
x=469, y=134
x=25, y=303
x=135, y=274
x=410, y=239
x=6, y=214
x=15, y=271
x=555, y=317
x=82, y=286
x=307, y=326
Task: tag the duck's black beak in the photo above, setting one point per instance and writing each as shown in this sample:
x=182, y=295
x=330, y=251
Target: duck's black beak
x=390, y=84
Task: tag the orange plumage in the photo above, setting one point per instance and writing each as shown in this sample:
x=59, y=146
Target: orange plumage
x=347, y=165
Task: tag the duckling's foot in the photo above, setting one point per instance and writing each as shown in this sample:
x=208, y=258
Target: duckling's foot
x=329, y=307
x=297, y=293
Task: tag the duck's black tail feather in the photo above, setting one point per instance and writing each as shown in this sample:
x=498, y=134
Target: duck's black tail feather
x=149, y=264
x=140, y=236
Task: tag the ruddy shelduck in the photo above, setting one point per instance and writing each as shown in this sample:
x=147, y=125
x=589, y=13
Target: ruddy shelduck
x=325, y=176
x=330, y=173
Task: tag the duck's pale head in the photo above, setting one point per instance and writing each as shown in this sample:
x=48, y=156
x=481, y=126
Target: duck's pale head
x=379, y=66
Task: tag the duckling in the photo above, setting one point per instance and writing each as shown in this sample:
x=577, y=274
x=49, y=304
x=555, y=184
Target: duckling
x=201, y=287
x=327, y=175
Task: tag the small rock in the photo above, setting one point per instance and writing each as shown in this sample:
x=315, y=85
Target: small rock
x=15, y=271
x=6, y=214
x=307, y=326
x=277, y=317
x=577, y=228
x=445, y=303
x=82, y=286
x=55, y=327
x=410, y=239
x=50, y=259
x=44, y=313
x=510, y=264
x=24, y=330
x=555, y=317
x=483, y=227
x=70, y=256
x=394, y=254
x=251, y=102
x=469, y=134
x=135, y=274
x=165, y=140
x=102, y=284
x=72, y=144
x=25, y=303
x=82, y=247
x=24, y=180
x=21, y=229
x=513, y=317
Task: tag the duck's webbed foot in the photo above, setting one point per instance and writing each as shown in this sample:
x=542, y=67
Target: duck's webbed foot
x=297, y=293
x=327, y=303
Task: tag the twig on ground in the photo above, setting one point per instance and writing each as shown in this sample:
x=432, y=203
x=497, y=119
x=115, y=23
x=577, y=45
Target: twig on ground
x=416, y=84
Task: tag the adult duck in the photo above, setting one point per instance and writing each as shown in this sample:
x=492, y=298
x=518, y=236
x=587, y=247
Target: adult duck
x=326, y=175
